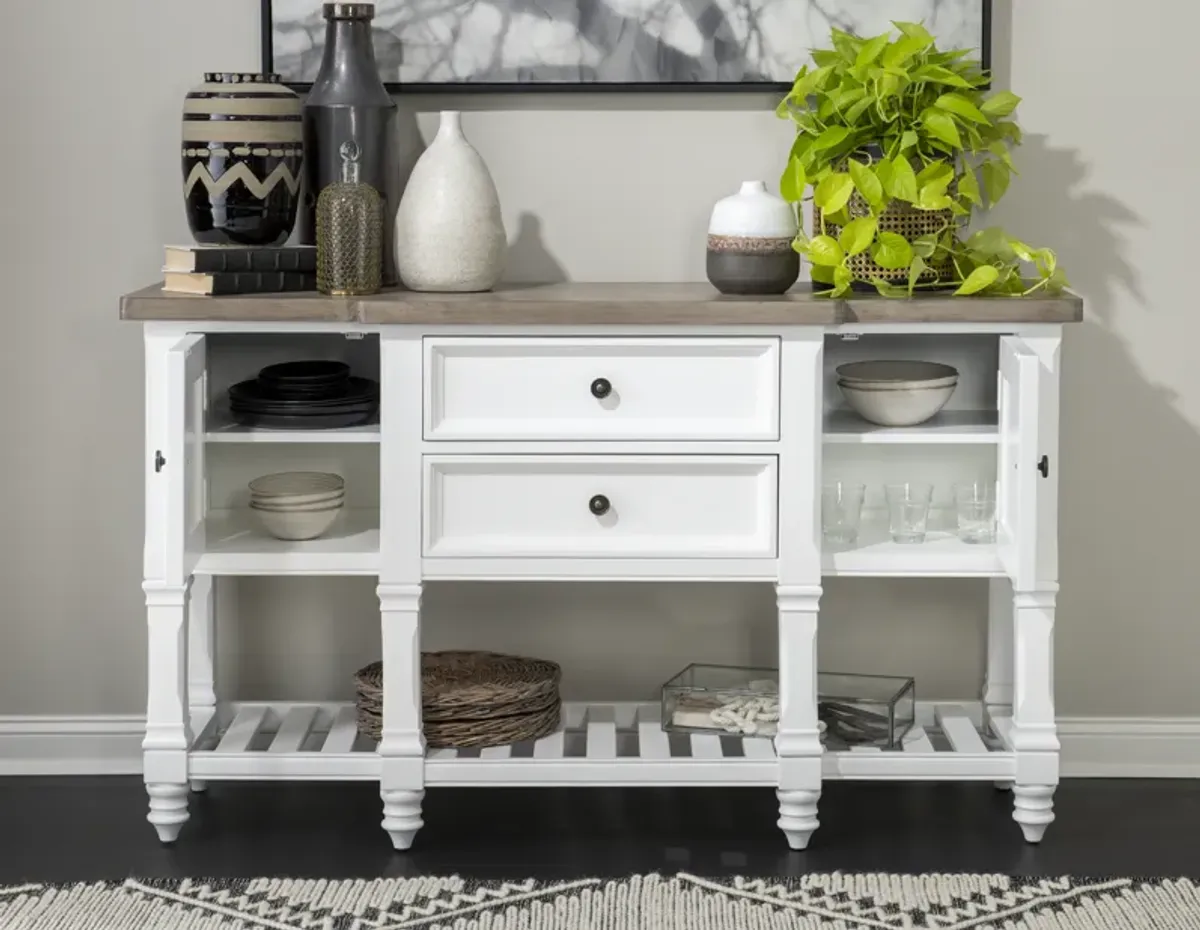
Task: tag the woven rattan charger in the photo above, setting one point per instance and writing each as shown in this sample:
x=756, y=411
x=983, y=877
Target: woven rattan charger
x=472, y=699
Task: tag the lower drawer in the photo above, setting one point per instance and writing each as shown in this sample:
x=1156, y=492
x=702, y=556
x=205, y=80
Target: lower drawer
x=600, y=506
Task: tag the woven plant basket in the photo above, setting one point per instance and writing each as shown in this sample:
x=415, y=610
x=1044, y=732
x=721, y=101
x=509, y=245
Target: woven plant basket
x=472, y=699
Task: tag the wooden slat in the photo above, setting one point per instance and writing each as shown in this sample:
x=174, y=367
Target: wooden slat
x=757, y=747
x=958, y=728
x=496, y=752
x=706, y=746
x=652, y=741
x=573, y=716
x=917, y=740
x=865, y=749
x=626, y=715
x=550, y=747
x=242, y=730
x=1002, y=726
x=444, y=752
x=601, y=732
x=292, y=732
x=342, y=732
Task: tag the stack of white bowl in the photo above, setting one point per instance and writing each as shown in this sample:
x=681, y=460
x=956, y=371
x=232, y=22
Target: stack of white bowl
x=896, y=393
x=297, y=504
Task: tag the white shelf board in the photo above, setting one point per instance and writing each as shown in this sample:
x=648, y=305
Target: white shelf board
x=236, y=545
x=222, y=428
x=595, y=744
x=942, y=554
x=950, y=427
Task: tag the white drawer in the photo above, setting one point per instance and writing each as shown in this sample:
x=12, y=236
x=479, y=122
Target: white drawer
x=617, y=506
x=618, y=389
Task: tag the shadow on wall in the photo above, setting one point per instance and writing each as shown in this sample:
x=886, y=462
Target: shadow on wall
x=1129, y=458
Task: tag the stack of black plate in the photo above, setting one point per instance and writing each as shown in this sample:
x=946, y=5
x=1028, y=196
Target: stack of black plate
x=304, y=395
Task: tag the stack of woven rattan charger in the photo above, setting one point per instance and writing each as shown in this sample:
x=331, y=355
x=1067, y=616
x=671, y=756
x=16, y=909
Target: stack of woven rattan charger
x=472, y=699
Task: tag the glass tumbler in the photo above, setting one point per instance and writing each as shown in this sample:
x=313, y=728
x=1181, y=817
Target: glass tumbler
x=841, y=511
x=976, y=507
x=908, y=511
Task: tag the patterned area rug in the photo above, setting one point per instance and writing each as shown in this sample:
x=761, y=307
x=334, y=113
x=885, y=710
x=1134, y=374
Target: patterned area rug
x=680, y=902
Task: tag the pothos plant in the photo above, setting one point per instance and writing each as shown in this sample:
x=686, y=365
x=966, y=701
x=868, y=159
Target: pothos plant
x=906, y=126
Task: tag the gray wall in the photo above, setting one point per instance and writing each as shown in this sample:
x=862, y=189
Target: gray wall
x=594, y=188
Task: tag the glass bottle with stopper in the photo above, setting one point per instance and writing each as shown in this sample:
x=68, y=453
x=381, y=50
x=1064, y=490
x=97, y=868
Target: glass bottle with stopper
x=349, y=232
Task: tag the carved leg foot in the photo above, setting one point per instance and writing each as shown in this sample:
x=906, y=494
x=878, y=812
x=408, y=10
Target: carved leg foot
x=168, y=810
x=1033, y=810
x=402, y=816
x=1002, y=785
x=798, y=816
x=199, y=786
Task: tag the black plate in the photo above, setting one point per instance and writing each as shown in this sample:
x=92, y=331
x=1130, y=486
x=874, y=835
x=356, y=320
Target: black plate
x=355, y=390
x=308, y=372
x=304, y=412
x=323, y=421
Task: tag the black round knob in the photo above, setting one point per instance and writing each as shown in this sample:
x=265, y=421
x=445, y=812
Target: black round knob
x=599, y=505
x=601, y=388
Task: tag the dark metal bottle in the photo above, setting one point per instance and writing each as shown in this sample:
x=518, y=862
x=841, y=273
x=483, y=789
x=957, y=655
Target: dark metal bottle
x=349, y=232
x=348, y=102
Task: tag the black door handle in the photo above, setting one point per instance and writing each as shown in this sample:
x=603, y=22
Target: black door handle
x=601, y=388
x=1044, y=466
x=599, y=505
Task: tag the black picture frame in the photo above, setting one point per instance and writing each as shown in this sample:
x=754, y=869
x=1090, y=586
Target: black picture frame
x=741, y=87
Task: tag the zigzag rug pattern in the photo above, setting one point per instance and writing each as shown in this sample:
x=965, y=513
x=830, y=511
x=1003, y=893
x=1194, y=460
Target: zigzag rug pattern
x=834, y=901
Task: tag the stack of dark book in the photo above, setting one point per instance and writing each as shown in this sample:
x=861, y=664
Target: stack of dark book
x=218, y=270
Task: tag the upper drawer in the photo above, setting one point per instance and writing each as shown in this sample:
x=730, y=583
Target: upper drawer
x=630, y=389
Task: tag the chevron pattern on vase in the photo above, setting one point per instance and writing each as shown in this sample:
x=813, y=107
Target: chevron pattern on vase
x=240, y=172
x=834, y=901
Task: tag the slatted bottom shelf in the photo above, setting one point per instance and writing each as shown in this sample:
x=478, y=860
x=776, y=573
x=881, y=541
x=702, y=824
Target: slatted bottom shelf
x=598, y=744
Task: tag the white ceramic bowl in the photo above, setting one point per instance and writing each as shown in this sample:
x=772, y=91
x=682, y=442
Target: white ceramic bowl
x=897, y=406
x=289, y=507
x=294, y=484
x=297, y=524
x=896, y=373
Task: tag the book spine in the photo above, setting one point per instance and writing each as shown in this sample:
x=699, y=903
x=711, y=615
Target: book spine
x=262, y=282
x=218, y=261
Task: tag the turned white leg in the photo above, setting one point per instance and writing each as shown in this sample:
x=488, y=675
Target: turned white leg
x=202, y=693
x=402, y=745
x=998, y=682
x=168, y=734
x=1033, y=734
x=798, y=743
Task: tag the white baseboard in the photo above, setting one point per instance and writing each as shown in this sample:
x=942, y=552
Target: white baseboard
x=1092, y=747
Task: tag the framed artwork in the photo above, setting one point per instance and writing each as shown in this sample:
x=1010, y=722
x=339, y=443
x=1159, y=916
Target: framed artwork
x=542, y=45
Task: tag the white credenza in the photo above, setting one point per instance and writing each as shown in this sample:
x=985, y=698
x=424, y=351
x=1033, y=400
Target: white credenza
x=597, y=432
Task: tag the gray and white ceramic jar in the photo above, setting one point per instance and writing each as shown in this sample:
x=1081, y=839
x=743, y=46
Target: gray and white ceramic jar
x=750, y=240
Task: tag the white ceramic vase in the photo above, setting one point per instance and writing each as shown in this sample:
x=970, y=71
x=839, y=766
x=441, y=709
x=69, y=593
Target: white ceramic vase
x=750, y=242
x=449, y=232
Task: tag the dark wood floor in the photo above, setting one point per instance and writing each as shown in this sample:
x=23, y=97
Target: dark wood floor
x=75, y=829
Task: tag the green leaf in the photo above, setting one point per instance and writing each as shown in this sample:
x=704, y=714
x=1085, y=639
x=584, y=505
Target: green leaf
x=908, y=140
x=858, y=234
x=936, y=74
x=847, y=45
x=995, y=180
x=887, y=289
x=982, y=277
x=904, y=181
x=1000, y=150
x=1011, y=131
x=867, y=183
x=1057, y=281
x=992, y=242
x=834, y=192
x=793, y=182
x=1000, y=103
x=901, y=51
x=915, y=31
x=915, y=269
x=883, y=171
x=931, y=198
x=936, y=172
x=941, y=126
x=840, y=99
x=854, y=114
x=841, y=280
x=956, y=208
x=822, y=274
x=960, y=106
x=892, y=251
x=968, y=187
x=824, y=57
x=824, y=250
x=925, y=245
x=834, y=135
x=871, y=50
x=838, y=217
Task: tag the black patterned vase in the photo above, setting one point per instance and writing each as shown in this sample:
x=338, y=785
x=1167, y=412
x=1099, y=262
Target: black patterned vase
x=243, y=152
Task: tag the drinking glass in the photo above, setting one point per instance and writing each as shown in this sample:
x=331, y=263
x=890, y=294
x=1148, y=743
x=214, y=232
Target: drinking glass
x=841, y=511
x=908, y=511
x=976, y=506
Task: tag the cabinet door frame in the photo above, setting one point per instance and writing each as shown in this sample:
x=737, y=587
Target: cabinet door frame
x=1027, y=487
x=177, y=481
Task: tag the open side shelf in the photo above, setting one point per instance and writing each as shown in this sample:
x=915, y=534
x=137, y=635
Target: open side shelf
x=222, y=428
x=950, y=427
x=234, y=546
x=596, y=744
x=942, y=554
